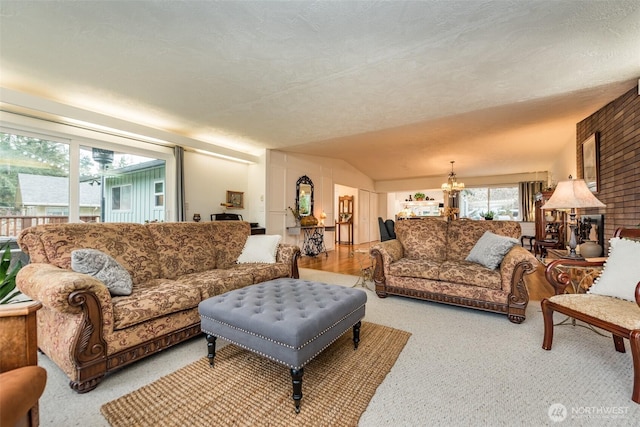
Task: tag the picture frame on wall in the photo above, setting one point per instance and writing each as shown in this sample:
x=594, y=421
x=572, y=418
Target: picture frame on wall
x=591, y=162
x=235, y=199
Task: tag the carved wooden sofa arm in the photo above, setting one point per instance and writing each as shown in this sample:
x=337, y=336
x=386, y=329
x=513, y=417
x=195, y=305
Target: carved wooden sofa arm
x=75, y=307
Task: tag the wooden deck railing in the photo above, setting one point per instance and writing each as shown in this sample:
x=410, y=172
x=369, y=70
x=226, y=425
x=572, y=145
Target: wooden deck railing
x=11, y=226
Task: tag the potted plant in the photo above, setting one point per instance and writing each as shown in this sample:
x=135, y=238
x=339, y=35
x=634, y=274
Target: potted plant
x=8, y=274
x=419, y=196
x=488, y=216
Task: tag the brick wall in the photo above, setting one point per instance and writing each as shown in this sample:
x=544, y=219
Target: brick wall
x=618, y=125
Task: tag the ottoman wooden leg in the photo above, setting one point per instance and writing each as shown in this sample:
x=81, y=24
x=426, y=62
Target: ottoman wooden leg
x=211, y=348
x=296, y=377
x=356, y=335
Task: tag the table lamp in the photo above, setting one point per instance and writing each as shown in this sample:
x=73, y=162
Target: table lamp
x=323, y=216
x=572, y=194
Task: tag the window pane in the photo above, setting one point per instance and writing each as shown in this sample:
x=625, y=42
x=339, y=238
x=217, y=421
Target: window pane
x=474, y=202
x=34, y=182
x=127, y=184
x=159, y=196
x=502, y=201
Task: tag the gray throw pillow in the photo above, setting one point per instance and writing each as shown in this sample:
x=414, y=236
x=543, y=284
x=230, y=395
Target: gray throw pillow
x=491, y=249
x=104, y=268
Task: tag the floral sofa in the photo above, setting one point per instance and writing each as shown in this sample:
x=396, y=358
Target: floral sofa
x=427, y=260
x=88, y=332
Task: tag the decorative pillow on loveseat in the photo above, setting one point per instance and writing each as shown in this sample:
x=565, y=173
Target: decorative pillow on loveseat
x=260, y=248
x=490, y=249
x=621, y=271
x=103, y=267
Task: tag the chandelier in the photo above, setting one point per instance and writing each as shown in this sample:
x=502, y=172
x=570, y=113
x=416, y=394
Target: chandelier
x=452, y=186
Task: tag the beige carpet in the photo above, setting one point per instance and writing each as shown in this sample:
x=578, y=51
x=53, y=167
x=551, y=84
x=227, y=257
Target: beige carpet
x=246, y=389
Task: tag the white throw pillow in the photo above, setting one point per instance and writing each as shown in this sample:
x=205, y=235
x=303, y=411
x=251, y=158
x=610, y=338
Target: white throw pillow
x=621, y=271
x=490, y=249
x=103, y=267
x=260, y=248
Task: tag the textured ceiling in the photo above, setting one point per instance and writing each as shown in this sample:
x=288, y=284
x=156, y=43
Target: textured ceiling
x=395, y=88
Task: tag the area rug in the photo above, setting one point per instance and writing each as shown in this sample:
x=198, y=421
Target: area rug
x=246, y=389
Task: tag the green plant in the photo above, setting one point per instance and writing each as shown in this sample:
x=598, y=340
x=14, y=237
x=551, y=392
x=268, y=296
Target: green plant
x=419, y=196
x=487, y=215
x=8, y=274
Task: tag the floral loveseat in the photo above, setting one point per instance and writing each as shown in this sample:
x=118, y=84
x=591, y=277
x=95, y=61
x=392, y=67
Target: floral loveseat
x=88, y=332
x=427, y=261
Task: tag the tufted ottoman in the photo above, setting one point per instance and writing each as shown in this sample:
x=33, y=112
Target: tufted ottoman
x=289, y=321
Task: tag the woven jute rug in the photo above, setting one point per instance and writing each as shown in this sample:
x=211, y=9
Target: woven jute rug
x=245, y=389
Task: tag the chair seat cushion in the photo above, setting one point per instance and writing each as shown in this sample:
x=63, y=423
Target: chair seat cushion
x=613, y=310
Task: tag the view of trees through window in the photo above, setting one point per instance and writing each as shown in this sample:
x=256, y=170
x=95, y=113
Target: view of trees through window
x=35, y=188
x=502, y=201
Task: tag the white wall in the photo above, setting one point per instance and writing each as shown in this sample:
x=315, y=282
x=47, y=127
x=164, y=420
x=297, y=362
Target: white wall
x=207, y=180
x=282, y=172
x=564, y=164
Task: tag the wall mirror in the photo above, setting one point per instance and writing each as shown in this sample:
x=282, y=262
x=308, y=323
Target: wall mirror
x=304, y=196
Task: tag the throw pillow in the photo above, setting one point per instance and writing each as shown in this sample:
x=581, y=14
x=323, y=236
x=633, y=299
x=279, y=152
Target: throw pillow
x=260, y=248
x=104, y=268
x=490, y=249
x=621, y=271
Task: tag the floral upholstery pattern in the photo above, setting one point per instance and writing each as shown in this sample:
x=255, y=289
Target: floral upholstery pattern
x=470, y=273
x=423, y=238
x=613, y=310
x=155, y=298
x=215, y=282
x=174, y=266
x=228, y=238
x=463, y=235
x=424, y=268
x=427, y=260
x=183, y=248
x=129, y=244
x=449, y=289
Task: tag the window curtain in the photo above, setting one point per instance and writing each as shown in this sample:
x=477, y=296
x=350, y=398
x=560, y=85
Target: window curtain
x=528, y=191
x=180, y=209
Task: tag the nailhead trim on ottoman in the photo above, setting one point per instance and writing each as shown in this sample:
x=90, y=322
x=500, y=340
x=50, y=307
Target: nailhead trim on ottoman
x=286, y=320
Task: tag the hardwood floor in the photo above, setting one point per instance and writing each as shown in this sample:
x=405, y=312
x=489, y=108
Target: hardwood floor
x=350, y=259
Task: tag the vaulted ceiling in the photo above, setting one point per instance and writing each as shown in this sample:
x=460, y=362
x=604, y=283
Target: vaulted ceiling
x=395, y=88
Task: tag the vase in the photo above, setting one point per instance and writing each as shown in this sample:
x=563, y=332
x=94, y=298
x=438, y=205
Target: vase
x=590, y=249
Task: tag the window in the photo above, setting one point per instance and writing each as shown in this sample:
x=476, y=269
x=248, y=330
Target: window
x=68, y=174
x=158, y=189
x=121, y=198
x=34, y=181
x=503, y=201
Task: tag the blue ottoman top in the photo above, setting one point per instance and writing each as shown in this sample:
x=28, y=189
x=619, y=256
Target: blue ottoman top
x=288, y=311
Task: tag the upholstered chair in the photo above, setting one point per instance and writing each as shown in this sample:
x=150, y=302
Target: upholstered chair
x=612, y=303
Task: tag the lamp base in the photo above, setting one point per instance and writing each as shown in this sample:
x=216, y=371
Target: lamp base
x=575, y=257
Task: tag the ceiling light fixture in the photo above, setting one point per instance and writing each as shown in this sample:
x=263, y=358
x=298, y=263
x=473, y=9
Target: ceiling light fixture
x=452, y=186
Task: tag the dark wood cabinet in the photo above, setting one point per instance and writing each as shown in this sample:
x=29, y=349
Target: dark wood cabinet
x=551, y=226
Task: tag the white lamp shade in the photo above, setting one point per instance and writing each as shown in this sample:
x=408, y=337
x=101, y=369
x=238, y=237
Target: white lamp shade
x=571, y=194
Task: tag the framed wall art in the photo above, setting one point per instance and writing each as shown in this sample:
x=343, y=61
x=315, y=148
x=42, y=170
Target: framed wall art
x=591, y=162
x=235, y=199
